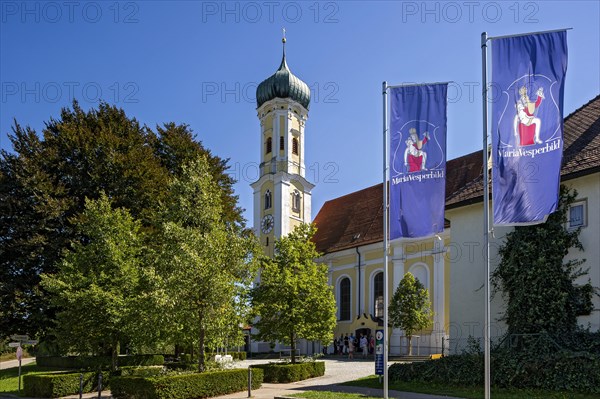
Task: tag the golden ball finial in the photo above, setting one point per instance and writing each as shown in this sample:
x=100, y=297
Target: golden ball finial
x=283, y=40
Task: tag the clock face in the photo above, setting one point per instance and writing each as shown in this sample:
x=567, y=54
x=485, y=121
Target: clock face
x=266, y=224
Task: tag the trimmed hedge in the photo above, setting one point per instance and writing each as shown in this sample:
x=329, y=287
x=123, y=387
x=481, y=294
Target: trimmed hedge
x=149, y=371
x=284, y=373
x=96, y=362
x=558, y=371
x=187, y=386
x=61, y=384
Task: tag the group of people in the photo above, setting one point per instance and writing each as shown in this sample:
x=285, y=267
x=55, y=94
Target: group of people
x=349, y=345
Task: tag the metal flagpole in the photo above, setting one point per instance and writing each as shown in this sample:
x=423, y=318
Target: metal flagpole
x=486, y=211
x=486, y=217
x=385, y=244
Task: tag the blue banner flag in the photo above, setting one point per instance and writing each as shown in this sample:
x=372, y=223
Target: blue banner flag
x=417, y=160
x=528, y=80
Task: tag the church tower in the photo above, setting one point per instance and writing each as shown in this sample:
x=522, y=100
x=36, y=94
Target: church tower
x=282, y=195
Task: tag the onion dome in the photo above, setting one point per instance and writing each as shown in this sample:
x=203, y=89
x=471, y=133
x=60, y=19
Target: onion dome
x=283, y=84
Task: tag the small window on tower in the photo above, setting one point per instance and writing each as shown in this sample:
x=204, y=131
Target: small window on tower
x=281, y=143
x=295, y=146
x=296, y=201
x=269, y=146
x=268, y=201
x=267, y=244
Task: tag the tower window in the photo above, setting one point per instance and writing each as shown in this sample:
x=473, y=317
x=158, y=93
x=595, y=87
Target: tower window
x=267, y=242
x=295, y=146
x=296, y=201
x=269, y=146
x=268, y=200
x=282, y=143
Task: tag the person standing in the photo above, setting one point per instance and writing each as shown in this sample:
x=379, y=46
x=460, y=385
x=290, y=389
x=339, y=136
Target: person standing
x=346, y=344
x=363, y=345
x=351, y=348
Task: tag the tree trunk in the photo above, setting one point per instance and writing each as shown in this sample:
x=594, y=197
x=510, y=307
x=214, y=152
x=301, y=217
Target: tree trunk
x=201, y=364
x=409, y=345
x=293, y=345
x=114, y=355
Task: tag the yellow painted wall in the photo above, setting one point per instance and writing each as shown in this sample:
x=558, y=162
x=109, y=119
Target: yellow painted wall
x=351, y=273
x=282, y=119
x=295, y=122
x=294, y=223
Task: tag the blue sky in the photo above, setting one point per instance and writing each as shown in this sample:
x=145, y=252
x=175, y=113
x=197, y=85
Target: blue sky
x=199, y=63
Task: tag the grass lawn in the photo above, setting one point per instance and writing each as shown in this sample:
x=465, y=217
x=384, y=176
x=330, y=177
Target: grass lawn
x=331, y=395
x=9, y=378
x=468, y=392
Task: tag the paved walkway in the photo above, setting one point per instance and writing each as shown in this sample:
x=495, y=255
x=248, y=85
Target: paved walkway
x=7, y=364
x=337, y=371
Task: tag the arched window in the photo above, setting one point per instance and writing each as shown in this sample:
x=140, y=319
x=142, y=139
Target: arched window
x=282, y=143
x=378, y=295
x=421, y=273
x=269, y=145
x=295, y=146
x=296, y=201
x=268, y=201
x=345, y=299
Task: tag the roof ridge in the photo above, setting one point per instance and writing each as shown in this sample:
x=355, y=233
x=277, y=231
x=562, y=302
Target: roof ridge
x=582, y=107
x=353, y=192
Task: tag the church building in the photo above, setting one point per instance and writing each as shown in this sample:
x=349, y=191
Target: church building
x=350, y=228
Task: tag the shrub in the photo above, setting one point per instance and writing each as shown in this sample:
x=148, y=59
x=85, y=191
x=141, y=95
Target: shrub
x=150, y=371
x=186, y=358
x=284, y=373
x=97, y=362
x=557, y=371
x=181, y=366
x=188, y=386
x=61, y=384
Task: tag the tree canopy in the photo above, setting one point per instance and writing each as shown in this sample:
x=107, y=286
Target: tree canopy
x=203, y=263
x=45, y=181
x=95, y=285
x=410, y=307
x=293, y=299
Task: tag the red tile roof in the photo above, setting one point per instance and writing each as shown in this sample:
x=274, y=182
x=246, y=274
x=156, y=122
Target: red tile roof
x=356, y=219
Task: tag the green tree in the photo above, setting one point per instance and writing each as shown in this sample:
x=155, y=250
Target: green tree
x=45, y=180
x=205, y=263
x=539, y=286
x=293, y=299
x=410, y=307
x=96, y=282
